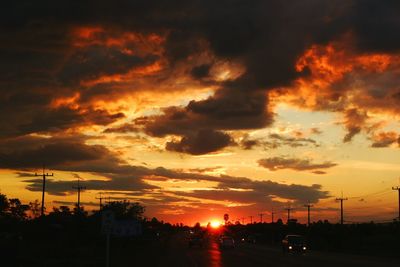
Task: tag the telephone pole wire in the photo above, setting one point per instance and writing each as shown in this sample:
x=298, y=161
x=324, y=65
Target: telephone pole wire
x=398, y=190
x=261, y=216
x=101, y=200
x=341, y=199
x=288, y=213
x=79, y=188
x=44, y=175
x=308, y=213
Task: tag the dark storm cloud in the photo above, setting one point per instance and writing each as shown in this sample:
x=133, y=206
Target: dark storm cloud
x=201, y=71
x=95, y=61
x=244, y=190
x=266, y=37
x=202, y=142
x=374, y=25
x=227, y=110
x=32, y=152
x=279, y=163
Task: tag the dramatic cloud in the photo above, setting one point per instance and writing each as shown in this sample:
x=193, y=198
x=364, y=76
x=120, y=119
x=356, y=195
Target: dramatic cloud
x=228, y=110
x=385, y=139
x=204, y=141
x=243, y=190
x=279, y=163
x=354, y=121
x=72, y=155
x=103, y=53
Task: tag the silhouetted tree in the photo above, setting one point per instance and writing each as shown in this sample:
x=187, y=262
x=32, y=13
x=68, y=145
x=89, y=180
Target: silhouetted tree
x=17, y=209
x=62, y=211
x=80, y=211
x=4, y=204
x=125, y=209
x=226, y=218
x=34, y=207
x=197, y=226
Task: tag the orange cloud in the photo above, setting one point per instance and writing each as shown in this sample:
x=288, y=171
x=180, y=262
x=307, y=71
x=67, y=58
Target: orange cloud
x=342, y=80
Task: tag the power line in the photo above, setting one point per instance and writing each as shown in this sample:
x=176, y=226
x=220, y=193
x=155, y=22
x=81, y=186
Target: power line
x=101, y=200
x=44, y=175
x=261, y=217
x=381, y=192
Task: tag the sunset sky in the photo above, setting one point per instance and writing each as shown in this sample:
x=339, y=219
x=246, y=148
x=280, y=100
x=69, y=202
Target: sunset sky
x=199, y=108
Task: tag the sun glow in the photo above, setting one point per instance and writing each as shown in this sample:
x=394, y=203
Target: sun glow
x=215, y=224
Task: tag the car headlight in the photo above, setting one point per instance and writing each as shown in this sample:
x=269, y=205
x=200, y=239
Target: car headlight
x=304, y=248
x=290, y=247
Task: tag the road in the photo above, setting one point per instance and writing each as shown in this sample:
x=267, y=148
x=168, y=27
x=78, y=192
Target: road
x=178, y=254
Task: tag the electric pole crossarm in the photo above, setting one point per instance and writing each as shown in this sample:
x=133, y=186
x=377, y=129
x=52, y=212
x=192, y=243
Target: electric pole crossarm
x=101, y=200
x=308, y=213
x=44, y=175
x=79, y=188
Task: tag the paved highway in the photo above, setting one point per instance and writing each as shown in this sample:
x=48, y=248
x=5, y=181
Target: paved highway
x=178, y=254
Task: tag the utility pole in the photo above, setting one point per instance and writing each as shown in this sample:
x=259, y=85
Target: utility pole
x=308, y=213
x=261, y=216
x=272, y=216
x=288, y=213
x=101, y=200
x=251, y=219
x=341, y=199
x=398, y=190
x=79, y=188
x=44, y=175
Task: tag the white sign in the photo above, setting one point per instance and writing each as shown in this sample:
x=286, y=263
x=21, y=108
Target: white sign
x=107, y=221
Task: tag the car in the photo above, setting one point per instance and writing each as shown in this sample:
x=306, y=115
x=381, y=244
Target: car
x=226, y=242
x=294, y=244
x=249, y=239
x=195, y=240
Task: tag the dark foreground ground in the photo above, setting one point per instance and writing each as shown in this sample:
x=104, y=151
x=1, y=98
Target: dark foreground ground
x=173, y=251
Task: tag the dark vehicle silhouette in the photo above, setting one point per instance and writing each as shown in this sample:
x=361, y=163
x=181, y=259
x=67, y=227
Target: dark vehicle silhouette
x=196, y=240
x=294, y=244
x=249, y=239
x=226, y=242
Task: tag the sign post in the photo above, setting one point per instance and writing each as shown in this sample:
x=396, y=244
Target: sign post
x=107, y=224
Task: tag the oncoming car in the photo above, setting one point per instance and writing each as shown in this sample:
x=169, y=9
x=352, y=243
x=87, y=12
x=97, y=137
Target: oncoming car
x=226, y=242
x=196, y=240
x=294, y=243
